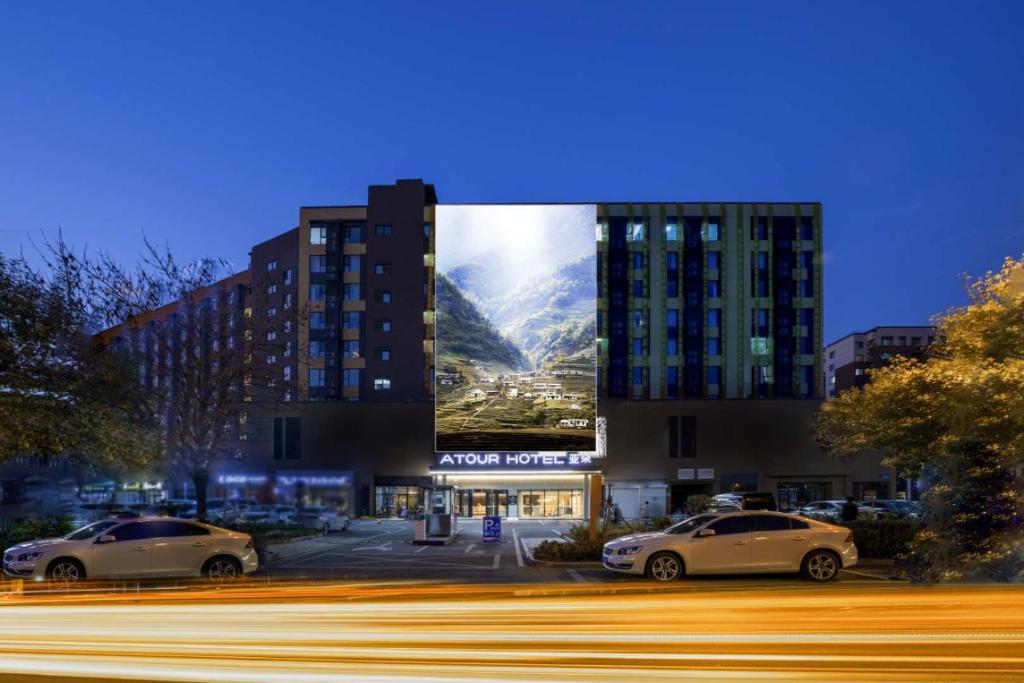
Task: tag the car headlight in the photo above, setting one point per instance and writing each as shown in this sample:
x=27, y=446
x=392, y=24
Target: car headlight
x=631, y=550
x=28, y=557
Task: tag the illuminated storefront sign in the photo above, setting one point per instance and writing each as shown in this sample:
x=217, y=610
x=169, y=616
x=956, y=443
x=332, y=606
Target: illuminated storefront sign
x=314, y=479
x=518, y=461
x=250, y=479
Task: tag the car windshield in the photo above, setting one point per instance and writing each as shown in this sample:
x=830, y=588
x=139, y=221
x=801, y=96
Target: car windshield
x=688, y=525
x=91, y=530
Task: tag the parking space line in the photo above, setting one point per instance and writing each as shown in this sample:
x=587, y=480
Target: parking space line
x=519, y=553
x=420, y=549
x=576, y=575
x=470, y=548
x=497, y=561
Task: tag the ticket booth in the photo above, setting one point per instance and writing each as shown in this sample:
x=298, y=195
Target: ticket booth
x=438, y=523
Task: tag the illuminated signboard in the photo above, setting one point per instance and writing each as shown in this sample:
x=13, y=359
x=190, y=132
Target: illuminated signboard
x=515, y=328
x=587, y=462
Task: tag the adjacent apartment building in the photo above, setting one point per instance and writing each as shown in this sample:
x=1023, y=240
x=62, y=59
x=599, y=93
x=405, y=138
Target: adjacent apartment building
x=709, y=356
x=848, y=360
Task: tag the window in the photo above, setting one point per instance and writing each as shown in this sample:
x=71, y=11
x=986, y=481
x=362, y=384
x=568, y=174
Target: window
x=351, y=377
x=272, y=289
x=318, y=263
x=740, y=524
x=317, y=292
x=638, y=259
x=351, y=320
x=672, y=318
x=173, y=529
x=383, y=353
x=318, y=234
x=714, y=317
x=638, y=288
x=352, y=263
x=858, y=371
x=771, y=523
x=287, y=373
x=638, y=318
x=635, y=232
x=798, y=523
x=317, y=321
x=350, y=348
x=382, y=269
x=350, y=291
x=886, y=341
x=714, y=289
x=758, y=228
x=353, y=234
x=383, y=296
x=271, y=265
x=713, y=260
x=271, y=336
x=287, y=325
x=672, y=230
x=711, y=231
x=714, y=374
x=133, y=531
x=317, y=349
x=288, y=276
x=382, y=230
x=714, y=346
x=672, y=347
x=672, y=381
x=271, y=359
x=381, y=383
x=638, y=376
x=682, y=436
x=317, y=377
x=272, y=311
x=638, y=346
x=383, y=325
x=806, y=228
x=288, y=300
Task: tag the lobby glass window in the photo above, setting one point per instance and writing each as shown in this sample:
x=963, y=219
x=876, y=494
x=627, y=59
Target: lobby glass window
x=714, y=259
x=318, y=235
x=383, y=325
x=317, y=377
x=317, y=292
x=714, y=317
x=382, y=269
x=383, y=296
x=318, y=263
x=381, y=383
x=271, y=265
x=714, y=346
x=353, y=234
x=382, y=230
x=351, y=320
x=317, y=321
x=383, y=353
x=350, y=348
x=350, y=377
x=350, y=291
x=551, y=503
x=397, y=501
x=714, y=374
x=317, y=349
x=352, y=263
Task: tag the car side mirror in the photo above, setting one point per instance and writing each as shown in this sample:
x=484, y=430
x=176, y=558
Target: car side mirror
x=107, y=538
x=704, y=533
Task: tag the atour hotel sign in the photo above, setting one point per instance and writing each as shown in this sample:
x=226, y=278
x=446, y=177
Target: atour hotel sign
x=569, y=461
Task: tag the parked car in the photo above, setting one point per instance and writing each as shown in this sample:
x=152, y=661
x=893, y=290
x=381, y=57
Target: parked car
x=325, y=519
x=735, y=543
x=829, y=510
x=727, y=499
x=267, y=514
x=762, y=500
x=899, y=509
x=147, y=547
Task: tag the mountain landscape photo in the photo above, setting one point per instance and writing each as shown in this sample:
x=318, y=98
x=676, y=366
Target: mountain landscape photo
x=515, y=329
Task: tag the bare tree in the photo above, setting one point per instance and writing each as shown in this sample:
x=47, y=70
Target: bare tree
x=208, y=347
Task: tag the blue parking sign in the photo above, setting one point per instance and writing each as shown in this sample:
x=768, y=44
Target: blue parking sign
x=492, y=529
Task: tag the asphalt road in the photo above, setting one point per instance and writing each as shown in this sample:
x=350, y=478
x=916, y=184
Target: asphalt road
x=637, y=631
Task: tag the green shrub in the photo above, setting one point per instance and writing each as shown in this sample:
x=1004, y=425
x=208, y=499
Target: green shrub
x=883, y=539
x=554, y=551
x=698, y=503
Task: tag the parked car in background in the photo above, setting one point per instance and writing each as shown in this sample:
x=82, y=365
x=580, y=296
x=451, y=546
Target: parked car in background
x=267, y=514
x=829, y=510
x=137, y=548
x=897, y=509
x=727, y=499
x=735, y=543
x=762, y=500
x=322, y=518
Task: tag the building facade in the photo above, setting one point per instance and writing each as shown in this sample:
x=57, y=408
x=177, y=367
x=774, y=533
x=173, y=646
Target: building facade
x=848, y=360
x=709, y=349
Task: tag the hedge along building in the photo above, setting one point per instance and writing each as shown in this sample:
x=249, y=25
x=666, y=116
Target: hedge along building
x=708, y=327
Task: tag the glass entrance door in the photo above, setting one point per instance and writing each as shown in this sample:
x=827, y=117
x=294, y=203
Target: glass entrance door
x=481, y=502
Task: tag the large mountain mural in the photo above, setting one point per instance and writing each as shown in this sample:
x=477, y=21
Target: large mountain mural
x=467, y=333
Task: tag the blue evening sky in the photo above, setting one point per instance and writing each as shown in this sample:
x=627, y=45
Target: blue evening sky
x=208, y=124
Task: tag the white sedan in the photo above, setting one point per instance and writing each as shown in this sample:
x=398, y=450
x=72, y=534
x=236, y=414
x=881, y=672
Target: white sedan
x=735, y=543
x=135, y=549
x=324, y=519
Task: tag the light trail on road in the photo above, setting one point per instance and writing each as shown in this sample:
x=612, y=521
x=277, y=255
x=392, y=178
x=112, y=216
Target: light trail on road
x=718, y=630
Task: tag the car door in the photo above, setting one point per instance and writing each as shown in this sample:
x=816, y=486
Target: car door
x=179, y=548
x=129, y=556
x=775, y=545
x=728, y=550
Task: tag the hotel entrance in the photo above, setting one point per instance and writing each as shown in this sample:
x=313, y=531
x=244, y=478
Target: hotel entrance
x=483, y=502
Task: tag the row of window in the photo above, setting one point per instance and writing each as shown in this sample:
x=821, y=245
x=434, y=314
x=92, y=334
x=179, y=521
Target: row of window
x=351, y=263
x=350, y=320
x=350, y=377
x=352, y=234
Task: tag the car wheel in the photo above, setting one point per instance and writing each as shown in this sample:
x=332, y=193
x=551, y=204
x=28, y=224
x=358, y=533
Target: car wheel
x=821, y=565
x=664, y=567
x=65, y=571
x=223, y=569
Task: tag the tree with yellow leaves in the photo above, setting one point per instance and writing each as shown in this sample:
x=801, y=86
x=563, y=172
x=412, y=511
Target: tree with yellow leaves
x=958, y=417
